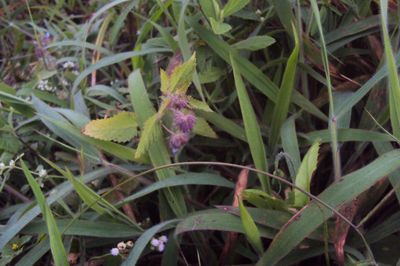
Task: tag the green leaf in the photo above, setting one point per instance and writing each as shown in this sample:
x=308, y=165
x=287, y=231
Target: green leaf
x=219, y=27
x=281, y=107
x=251, y=126
x=199, y=105
x=120, y=128
x=202, y=128
x=56, y=244
x=261, y=199
x=250, y=228
x=157, y=151
x=394, y=84
x=314, y=214
x=148, y=136
x=304, y=174
x=181, y=76
x=254, y=43
x=210, y=8
x=234, y=6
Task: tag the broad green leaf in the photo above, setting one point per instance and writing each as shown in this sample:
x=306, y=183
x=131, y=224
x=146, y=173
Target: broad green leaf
x=251, y=126
x=281, y=107
x=234, y=6
x=56, y=244
x=157, y=151
x=290, y=145
x=199, y=105
x=202, y=128
x=347, y=134
x=394, y=84
x=148, y=136
x=219, y=27
x=304, y=174
x=254, y=43
x=181, y=76
x=210, y=8
x=314, y=214
x=250, y=228
x=120, y=128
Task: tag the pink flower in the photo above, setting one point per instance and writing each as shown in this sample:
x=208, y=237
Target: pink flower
x=178, y=101
x=185, y=122
x=177, y=140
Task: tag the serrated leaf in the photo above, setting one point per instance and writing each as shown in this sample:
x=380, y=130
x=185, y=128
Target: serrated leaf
x=219, y=27
x=148, y=136
x=303, y=177
x=250, y=228
x=181, y=76
x=120, y=128
x=199, y=105
x=202, y=128
x=255, y=43
x=234, y=6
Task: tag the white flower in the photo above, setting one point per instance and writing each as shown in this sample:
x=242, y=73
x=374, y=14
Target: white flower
x=155, y=242
x=11, y=163
x=163, y=239
x=121, y=246
x=64, y=82
x=258, y=12
x=42, y=173
x=2, y=166
x=68, y=65
x=75, y=72
x=161, y=247
x=114, y=251
x=129, y=244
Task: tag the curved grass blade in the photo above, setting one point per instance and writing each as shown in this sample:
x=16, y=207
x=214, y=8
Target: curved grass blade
x=253, y=133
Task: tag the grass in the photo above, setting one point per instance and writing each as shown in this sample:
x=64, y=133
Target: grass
x=202, y=133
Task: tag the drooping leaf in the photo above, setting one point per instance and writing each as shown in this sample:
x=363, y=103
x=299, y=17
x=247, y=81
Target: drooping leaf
x=254, y=43
x=304, y=174
x=120, y=128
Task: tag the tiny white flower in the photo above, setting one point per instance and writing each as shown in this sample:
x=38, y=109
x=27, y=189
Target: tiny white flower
x=68, y=65
x=163, y=239
x=64, y=82
x=129, y=244
x=114, y=251
x=11, y=163
x=2, y=166
x=258, y=12
x=161, y=247
x=262, y=19
x=138, y=32
x=75, y=72
x=155, y=242
x=42, y=173
x=121, y=246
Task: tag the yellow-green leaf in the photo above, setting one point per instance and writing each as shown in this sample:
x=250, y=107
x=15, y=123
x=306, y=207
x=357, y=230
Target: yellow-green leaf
x=164, y=78
x=181, y=76
x=148, y=136
x=120, y=128
x=202, y=128
x=219, y=27
x=250, y=228
x=303, y=178
x=199, y=105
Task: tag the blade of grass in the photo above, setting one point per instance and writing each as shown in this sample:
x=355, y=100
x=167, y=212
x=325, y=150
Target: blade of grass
x=251, y=127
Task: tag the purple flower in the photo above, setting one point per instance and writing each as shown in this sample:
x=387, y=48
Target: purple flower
x=177, y=140
x=185, y=122
x=178, y=102
x=114, y=251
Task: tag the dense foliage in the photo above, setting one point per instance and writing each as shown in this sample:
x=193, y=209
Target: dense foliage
x=200, y=132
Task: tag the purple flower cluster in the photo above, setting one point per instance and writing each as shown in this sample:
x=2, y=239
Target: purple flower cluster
x=183, y=120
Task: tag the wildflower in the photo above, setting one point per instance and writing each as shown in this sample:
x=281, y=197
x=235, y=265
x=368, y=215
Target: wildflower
x=2, y=166
x=14, y=246
x=184, y=122
x=177, y=140
x=161, y=247
x=155, y=242
x=44, y=85
x=114, y=251
x=163, y=239
x=121, y=246
x=258, y=12
x=11, y=163
x=178, y=102
x=68, y=65
x=42, y=173
x=129, y=244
